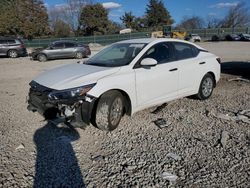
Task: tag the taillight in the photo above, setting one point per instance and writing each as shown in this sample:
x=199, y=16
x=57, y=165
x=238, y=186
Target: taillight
x=219, y=60
x=22, y=46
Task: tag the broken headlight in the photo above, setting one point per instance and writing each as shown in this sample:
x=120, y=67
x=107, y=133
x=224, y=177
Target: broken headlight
x=70, y=93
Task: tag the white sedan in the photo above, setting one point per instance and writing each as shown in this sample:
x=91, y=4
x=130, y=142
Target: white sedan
x=124, y=78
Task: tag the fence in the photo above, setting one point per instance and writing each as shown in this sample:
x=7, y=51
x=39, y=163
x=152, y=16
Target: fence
x=108, y=39
x=103, y=39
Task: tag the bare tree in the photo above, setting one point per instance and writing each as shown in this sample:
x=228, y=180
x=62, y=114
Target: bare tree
x=194, y=22
x=213, y=22
x=237, y=16
x=73, y=11
x=68, y=12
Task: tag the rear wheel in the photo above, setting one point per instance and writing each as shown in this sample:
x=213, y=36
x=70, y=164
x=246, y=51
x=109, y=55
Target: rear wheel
x=12, y=53
x=42, y=57
x=109, y=111
x=206, y=87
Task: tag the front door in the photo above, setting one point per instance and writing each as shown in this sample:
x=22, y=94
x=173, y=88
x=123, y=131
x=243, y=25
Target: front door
x=160, y=82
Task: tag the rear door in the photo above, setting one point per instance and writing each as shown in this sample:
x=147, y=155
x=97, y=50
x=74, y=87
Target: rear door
x=190, y=67
x=158, y=83
x=3, y=47
x=69, y=50
x=57, y=50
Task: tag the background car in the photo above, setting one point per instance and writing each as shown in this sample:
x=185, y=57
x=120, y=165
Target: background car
x=232, y=37
x=61, y=49
x=244, y=37
x=193, y=38
x=12, y=47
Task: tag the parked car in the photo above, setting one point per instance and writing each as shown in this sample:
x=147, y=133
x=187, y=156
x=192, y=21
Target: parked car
x=216, y=38
x=232, y=37
x=124, y=78
x=61, y=49
x=12, y=47
x=244, y=37
x=193, y=38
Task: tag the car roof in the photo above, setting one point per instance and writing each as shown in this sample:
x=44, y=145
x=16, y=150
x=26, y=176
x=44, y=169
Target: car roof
x=8, y=38
x=156, y=40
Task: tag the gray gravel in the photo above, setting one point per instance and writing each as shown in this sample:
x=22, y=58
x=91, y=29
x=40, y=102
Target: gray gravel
x=196, y=149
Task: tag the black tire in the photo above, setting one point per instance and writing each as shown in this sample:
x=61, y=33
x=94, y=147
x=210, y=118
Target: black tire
x=109, y=111
x=12, y=54
x=206, y=87
x=79, y=55
x=41, y=57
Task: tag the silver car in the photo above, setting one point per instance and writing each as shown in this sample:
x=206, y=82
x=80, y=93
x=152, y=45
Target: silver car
x=61, y=49
x=12, y=47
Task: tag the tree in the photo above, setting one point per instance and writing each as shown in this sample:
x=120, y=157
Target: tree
x=193, y=22
x=128, y=19
x=237, y=16
x=61, y=29
x=69, y=12
x=113, y=27
x=213, y=22
x=157, y=15
x=28, y=18
x=94, y=19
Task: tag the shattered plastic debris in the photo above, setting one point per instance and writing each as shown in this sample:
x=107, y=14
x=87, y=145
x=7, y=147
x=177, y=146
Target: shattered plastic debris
x=243, y=115
x=161, y=123
x=170, y=177
x=239, y=79
x=21, y=146
x=159, y=108
x=224, y=138
x=174, y=156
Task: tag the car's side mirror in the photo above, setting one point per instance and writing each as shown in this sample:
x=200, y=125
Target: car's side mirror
x=148, y=62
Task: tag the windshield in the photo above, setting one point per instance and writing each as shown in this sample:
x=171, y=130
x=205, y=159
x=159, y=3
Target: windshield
x=116, y=55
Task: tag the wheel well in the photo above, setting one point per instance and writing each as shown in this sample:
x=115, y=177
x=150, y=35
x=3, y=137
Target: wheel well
x=213, y=75
x=128, y=105
x=11, y=50
x=41, y=54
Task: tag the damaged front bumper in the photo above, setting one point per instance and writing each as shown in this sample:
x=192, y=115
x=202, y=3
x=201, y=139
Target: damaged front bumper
x=77, y=111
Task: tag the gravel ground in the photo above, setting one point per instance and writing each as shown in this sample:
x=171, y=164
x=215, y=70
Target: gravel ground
x=203, y=144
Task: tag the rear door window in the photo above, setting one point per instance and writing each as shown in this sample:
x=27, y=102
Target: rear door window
x=58, y=45
x=69, y=45
x=185, y=51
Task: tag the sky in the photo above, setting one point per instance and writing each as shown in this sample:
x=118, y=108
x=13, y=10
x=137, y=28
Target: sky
x=177, y=8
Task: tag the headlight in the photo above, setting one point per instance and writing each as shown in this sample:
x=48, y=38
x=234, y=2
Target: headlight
x=70, y=93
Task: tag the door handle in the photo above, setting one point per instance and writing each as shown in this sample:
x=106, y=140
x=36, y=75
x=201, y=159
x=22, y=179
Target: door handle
x=201, y=63
x=175, y=69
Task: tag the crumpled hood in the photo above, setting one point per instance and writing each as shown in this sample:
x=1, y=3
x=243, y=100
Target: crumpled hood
x=38, y=49
x=73, y=75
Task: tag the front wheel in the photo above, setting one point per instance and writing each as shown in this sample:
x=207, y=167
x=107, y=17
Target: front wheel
x=109, y=111
x=206, y=87
x=42, y=57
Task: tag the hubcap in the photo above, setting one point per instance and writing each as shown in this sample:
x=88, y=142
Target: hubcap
x=207, y=87
x=116, y=111
x=13, y=54
x=42, y=58
x=79, y=55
